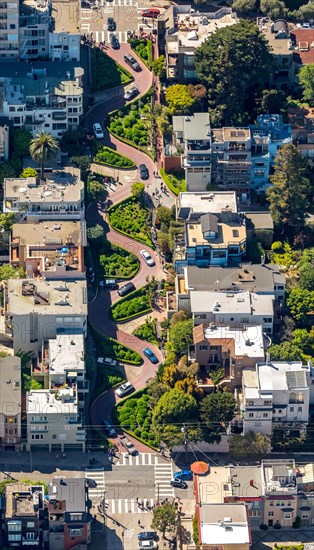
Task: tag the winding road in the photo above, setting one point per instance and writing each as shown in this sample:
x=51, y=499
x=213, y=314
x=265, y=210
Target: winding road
x=99, y=308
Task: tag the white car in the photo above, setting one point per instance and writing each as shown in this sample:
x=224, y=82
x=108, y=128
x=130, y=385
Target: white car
x=147, y=257
x=147, y=544
x=98, y=131
x=124, y=389
x=130, y=93
x=107, y=361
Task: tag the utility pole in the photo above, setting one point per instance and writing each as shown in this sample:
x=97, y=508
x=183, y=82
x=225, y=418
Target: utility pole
x=179, y=531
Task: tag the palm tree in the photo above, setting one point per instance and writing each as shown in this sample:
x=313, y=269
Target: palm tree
x=43, y=147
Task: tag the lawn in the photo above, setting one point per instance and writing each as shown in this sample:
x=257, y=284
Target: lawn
x=109, y=347
x=132, y=219
x=117, y=262
x=107, y=156
x=106, y=72
x=143, y=48
x=147, y=332
x=130, y=306
x=135, y=415
x=174, y=181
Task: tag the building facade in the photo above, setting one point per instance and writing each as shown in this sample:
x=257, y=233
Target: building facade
x=10, y=402
x=9, y=30
x=24, y=508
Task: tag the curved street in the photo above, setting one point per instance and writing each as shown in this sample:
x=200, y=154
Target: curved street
x=99, y=308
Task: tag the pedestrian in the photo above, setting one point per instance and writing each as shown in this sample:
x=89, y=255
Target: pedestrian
x=180, y=509
x=139, y=522
x=137, y=500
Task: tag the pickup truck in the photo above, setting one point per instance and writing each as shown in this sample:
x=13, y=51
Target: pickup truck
x=126, y=443
x=107, y=361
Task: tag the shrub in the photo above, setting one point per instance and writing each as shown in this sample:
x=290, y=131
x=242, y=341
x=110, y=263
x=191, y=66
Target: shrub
x=109, y=347
x=107, y=156
x=106, y=72
x=118, y=262
x=147, y=332
x=132, y=219
x=174, y=182
x=131, y=305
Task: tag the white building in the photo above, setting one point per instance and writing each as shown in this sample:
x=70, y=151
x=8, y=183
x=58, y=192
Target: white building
x=59, y=197
x=275, y=394
x=4, y=140
x=10, y=402
x=35, y=312
x=233, y=309
x=33, y=36
x=9, y=30
x=190, y=206
x=223, y=526
x=64, y=46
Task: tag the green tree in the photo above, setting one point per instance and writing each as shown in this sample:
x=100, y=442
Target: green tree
x=164, y=125
x=244, y=7
x=181, y=336
x=174, y=407
x=287, y=351
x=43, y=148
x=6, y=221
x=165, y=518
x=306, y=79
x=250, y=444
x=234, y=63
x=305, y=12
x=164, y=242
x=306, y=280
x=138, y=190
x=21, y=140
x=96, y=233
x=273, y=8
x=10, y=272
x=95, y=190
x=179, y=99
x=273, y=101
x=301, y=305
x=289, y=195
x=158, y=65
x=217, y=410
x=164, y=216
x=29, y=173
x=83, y=163
x=7, y=170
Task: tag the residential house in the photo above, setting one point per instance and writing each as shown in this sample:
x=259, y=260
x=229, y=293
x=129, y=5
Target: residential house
x=276, y=395
x=9, y=31
x=305, y=485
x=277, y=33
x=302, y=123
x=303, y=47
x=233, y=309
x=10, y=402
x=280, y=490
x=49, y=250
x=69, y=515
x=64, y=46
x=180, y=30
x=192, y=134
x=42, y=96
x=24, y=509
x=33, y=36
x=228, y=348
x=54, y=421
x=35, y=312
x=59, y=197
x=4, y=139
x=192, y=205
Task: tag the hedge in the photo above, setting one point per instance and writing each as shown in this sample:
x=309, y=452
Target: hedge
x=175, y=190
x=148, y=45
x=108, y=251
x=105, y=342
x=146, y=241
x=138, y=293
x=115, y=160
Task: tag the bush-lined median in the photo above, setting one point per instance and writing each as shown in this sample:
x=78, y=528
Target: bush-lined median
x=111, y=158
x=107, y=73
x=132, y=219
x=135, y=417
x=118, y=262
x=144, y=49
x=134, y=304
x=109, y=347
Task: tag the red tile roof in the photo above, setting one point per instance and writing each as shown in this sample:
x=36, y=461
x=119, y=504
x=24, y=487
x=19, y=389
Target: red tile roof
x=304, y=39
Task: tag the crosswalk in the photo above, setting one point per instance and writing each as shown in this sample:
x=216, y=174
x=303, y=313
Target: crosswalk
x=142, y=459
x=98, y=475
x=127, y=506
x=163, y=476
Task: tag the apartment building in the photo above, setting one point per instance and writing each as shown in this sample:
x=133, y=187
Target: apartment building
x=280, y=490
x=305, y=486
x=49, y=250
x=9, y=30
x=180, y=30
x=38, y=311
x=4, y=139
x=42, y=95
x=276, y=394
x=229, y=348
x=64, y=46
x=69, y=515
x=23, y=514
x=59, y=197
x=54, y=421
x=10, y=402
x=190, y=206
x=34, y=36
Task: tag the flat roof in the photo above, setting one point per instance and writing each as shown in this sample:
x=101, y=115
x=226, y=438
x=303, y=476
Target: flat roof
x=46, y=298
x=194, y=28
x=64, y=185
x=247, y=341
x=23, y=500
x=213, y=202
x=236, y=134
x=231, y=232
x=222, y=484
x=224, y=524
x=51, y=403
x=44, y=232
x=195, y=127
x=66, y=353
x=281, y=376
x=259, y=220
x=71, y=490
x=10, y=385
x=247, y=303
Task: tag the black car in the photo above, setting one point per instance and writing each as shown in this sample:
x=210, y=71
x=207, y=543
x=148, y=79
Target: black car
x=178, y=483
x=144, y=172
x=111, y=24
x=114, y=41
x=147, y=535
x=91, y=483
x=125, y=289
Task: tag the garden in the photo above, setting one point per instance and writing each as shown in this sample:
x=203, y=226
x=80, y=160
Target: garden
x=147, y=331
x=106, y=378
x=117, y=262
x=143, y=48
x=134, y=304
x=107, y=73
x=132, y=219
x=107, y=156
x=135, y=416
x=109, y=347
x=174, y=181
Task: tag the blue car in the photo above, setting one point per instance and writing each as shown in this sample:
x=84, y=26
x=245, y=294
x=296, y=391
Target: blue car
x=150, y=355
x=183, y=475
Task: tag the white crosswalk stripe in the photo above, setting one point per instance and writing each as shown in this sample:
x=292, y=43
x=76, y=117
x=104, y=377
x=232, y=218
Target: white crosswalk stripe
x=163, y=476
x=85, y=27
x=99, y=477
x=126, y=506
x=142, y=459
x=101, y=36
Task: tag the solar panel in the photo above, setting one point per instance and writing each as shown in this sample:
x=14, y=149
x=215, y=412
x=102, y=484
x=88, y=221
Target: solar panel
x=295, y=379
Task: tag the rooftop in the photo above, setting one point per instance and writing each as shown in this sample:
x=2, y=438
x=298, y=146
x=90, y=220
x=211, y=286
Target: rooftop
x=277, y=34
x=274, y=376
x=71, y=491
x=60, y=186
x=46, y=298
x=66, y=353
x=279, y=476
x=259, y=220
x=272, y=126
x=10, y=385
x=224, y=524
x=304, y=45
x=246, y=303
x=236, y=134
x=247, y=341
x=206, y=202
x=23, y=500
x=196, y=127
x=51, y=402
x=226, y=233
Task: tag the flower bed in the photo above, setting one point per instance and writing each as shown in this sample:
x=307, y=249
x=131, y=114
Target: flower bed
x=107, y=156
x=107, y=73
x=134, y=304
x=134, y=415
x=175, y=183
x=109, y=347
x=131, y=219
x=144, y=49
x=118, y=262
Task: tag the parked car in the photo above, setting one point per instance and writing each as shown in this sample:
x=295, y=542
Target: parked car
x=144, y=172
x=98, y=131
x=179, y=483
x=147, y=535
x=125, y=289
x=147, y=257
x=108, y=283
x=111, y=24
x=150, y=355
x=129, y=59
x=124, y=389
x=130, y=93
x=109, y=428
x=115, y=44
x=107, y=361
x=183, y=475
x=147, y=545
x=150, y=12
x=91, y=483
x=128, y=445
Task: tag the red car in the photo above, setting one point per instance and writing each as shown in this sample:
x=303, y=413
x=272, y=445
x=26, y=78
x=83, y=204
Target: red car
x=151, y=12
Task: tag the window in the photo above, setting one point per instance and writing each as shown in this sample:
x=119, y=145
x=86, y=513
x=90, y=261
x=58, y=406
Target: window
x=287, y=516
x=254, y=513
x=203, y=347
x=265, y=415
x=291, y=409
x=267, y=403
x=271, y=503
x=299, y=409
x=75, y=517
x=250, y=403
x=30, y=524
x=14, y=527
x=271, y=514
x=244, y=320
x=251, y=415
x=30, y=536
x=76, y=532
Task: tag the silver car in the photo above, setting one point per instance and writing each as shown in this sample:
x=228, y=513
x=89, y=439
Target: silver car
x=147, y=257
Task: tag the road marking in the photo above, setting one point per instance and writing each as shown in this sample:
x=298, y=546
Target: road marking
x=85, y=27
x=99, y=477
x=163, y=476
x=127, y=506
x=142, y=459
